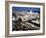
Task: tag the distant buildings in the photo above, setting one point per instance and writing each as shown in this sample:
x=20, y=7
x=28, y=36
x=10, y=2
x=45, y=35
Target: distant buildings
x=26, y=15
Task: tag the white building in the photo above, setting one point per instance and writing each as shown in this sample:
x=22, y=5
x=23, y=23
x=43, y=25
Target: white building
x=27, y=16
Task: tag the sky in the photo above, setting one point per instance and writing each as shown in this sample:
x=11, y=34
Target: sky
x=26, y=9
